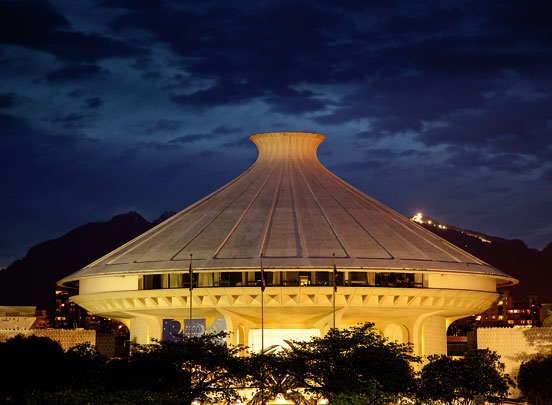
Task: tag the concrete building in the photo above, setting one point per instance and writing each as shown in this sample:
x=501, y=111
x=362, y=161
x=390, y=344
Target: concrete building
x=302, y=219
x=22, y=320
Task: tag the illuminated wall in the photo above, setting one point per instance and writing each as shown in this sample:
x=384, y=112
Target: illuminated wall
x=277, y=337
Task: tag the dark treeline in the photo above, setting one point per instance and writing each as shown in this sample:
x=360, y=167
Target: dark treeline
x=352, y=366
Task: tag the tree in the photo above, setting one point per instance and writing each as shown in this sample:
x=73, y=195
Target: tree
x=268, y=374
x=449, y=381
x=535, y=379
x=355, y=362
x=30, y=363
x=200, y=368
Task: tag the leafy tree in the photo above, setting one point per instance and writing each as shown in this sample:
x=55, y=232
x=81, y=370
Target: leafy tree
x=88, y=369
x=355, y=362
x=535, y=379
x=449, y=381
x=268, y=373
x=30, y=363
x=200, y=368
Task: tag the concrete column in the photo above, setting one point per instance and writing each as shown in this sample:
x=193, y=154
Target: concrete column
x=435, y=335
x=144, y=329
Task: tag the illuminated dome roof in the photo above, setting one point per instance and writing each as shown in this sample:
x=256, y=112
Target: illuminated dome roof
x=295, y=212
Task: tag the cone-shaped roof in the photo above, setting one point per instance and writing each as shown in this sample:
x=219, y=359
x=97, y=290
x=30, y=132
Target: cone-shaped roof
x=295, y=212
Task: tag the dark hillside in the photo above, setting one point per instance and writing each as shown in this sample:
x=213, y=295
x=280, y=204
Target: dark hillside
x=531, y=267
x=32, y=279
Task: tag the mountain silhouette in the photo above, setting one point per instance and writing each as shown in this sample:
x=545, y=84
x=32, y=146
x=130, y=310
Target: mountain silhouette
x=32, y=279
x=533, y=268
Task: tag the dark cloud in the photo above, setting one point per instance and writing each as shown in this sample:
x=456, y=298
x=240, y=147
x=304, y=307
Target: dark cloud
x=509, y=162
x=242, y=143
x=72, y=117
x=81, y=47
x=69, y=121
x=230, y=44
x=192, y=138
x=76, y=72
x=151, y=75
x=547, y=175
x=26, y=23
x=94, y=102
x=224, y=92
x=423, y=103
x=290, y=101
x=223, y=130
x=77, y=93
x=37, y=25
x=7, y=100
x=415, y=153
x=498, y=190
x=131, y=4
x=511, y=127
x=164, y=125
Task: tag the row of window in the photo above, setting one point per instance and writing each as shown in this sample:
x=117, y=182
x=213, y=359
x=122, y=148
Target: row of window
x=280, y=278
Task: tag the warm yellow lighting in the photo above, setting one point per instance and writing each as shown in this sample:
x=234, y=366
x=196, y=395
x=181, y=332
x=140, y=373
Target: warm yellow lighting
x=324, y=401
x=281, y=400
x=277, y=337
x=429, y=222
x=418, y=218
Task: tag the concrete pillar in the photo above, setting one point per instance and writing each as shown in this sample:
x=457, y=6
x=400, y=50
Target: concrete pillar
x=435, y=335
x=144, y=329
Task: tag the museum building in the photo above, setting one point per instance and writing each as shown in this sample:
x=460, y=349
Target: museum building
x=309, y=230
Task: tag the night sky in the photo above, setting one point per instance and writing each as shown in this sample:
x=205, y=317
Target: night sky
x=108, y=106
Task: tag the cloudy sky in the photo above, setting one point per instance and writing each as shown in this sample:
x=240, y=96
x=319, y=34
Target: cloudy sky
x=108, y=106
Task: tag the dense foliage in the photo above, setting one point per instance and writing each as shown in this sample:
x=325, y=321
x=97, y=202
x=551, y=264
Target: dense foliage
x=201, y=368
x=458, y=381
x=351, y=366
x=535, y=380
x=355, y=362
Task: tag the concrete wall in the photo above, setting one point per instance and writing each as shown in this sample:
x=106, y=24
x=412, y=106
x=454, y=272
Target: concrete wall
x=434, y=336
x=515, y=345
x=460, y=282
x=112, y=283
x=67, y=338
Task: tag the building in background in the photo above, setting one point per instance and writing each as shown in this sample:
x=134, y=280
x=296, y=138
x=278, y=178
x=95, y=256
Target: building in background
x=311, y=230
x=24, y=320
x=509, y=311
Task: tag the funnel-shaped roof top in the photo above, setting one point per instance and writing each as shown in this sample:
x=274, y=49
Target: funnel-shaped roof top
x=295, y=212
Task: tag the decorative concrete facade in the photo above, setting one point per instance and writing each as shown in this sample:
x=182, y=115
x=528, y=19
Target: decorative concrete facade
x=301, y=219
x=515, y=345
